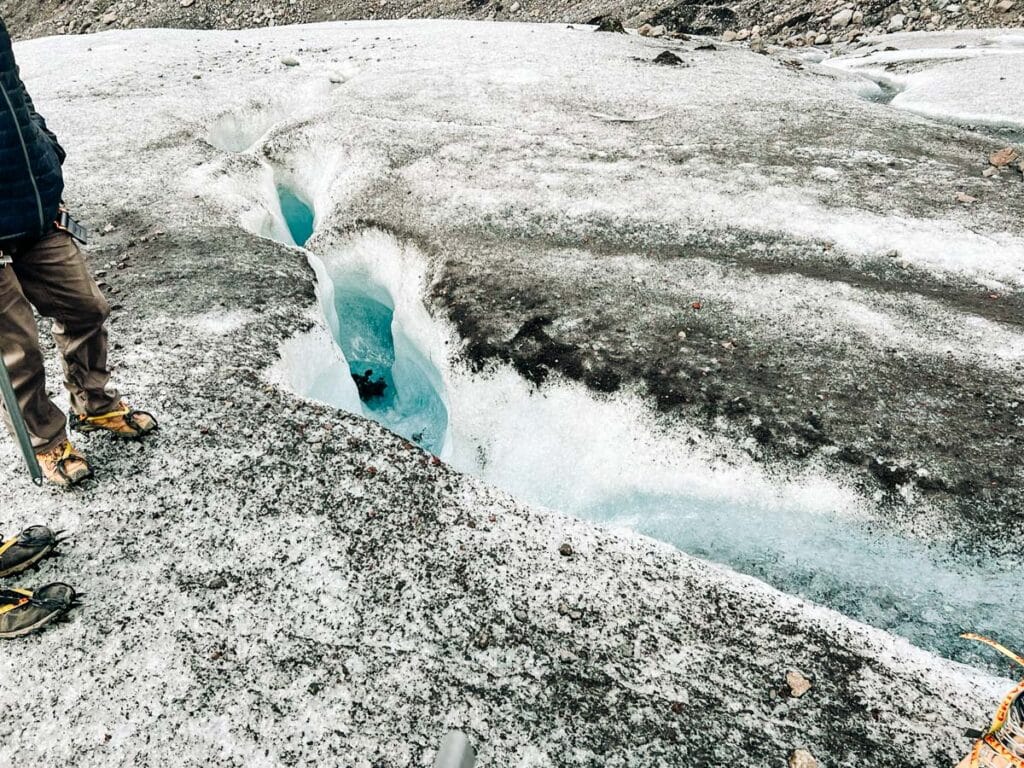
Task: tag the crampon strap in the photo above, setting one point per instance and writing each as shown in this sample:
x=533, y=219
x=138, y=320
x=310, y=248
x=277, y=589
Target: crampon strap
x=13, y=598
x=99, y=418
x=8, y=544
x=122, y=412
x=67, y=453
x=991, y=738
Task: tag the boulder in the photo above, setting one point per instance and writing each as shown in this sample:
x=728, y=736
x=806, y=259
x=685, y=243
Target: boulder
x=801, y=758
x=842, y=18
x=1005, y=156
x=668, y=58
x=609, y=24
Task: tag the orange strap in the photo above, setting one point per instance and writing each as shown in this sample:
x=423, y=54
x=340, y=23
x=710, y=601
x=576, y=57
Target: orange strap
x=26, y=596
x=993, y=644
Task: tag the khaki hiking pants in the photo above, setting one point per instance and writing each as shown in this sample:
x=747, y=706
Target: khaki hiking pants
x=52, y=276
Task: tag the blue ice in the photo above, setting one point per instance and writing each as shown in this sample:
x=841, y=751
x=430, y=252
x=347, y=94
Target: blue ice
x=924, y=593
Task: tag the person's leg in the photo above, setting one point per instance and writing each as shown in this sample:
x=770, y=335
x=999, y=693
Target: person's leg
x=55, y=278
x=19, y=342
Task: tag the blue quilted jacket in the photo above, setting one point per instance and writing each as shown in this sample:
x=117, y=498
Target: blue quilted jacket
x=31, y=182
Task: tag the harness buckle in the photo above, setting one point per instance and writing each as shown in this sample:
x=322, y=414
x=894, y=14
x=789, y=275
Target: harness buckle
x=66, y=223
x=5, y=259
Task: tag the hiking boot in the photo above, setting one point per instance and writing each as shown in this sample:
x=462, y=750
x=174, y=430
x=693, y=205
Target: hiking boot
x=121, y=422
x=26, y=549
x=23, y=611
x=64, y=466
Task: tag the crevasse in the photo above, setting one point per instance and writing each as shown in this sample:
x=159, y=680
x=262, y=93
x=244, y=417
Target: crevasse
x=605, y=461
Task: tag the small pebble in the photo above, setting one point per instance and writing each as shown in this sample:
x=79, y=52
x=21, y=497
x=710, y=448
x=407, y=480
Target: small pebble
x=801, y=758
x=798, y=683
x=217, y=582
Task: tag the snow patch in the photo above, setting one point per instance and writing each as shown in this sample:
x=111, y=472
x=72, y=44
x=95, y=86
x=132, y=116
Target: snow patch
x=247, y=124
x=220, y=323
x=970, y=78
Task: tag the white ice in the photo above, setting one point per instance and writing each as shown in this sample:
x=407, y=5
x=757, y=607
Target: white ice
x=468, y=123
x=967, y=77
x=523, y=152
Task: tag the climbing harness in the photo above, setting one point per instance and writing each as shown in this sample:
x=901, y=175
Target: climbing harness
x=1002, y=745
x=66, y=223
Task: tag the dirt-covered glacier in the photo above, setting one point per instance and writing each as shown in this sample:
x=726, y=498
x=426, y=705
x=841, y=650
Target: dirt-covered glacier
x=760, y=263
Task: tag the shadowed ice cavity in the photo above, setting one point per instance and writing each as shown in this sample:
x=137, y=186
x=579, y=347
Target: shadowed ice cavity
x=297, y=213
x=394, y=379
x=548, y=455
x=877, y=87
x=241, y=128
x=885, y=93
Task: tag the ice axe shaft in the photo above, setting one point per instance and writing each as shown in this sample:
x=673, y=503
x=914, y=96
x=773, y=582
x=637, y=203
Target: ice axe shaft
x=18, y=421
x=455, y=752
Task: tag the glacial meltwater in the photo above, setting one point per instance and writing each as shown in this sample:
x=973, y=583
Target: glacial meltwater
x=298, y=215
x=535, y=448
x=394, y=379
x=397, y=385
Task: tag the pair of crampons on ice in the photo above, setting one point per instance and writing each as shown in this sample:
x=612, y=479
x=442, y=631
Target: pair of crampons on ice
x=23, y=611
x=65, y=466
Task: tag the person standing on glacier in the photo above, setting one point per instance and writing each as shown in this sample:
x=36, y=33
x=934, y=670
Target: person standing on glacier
x=47, y=270
x=41, y=265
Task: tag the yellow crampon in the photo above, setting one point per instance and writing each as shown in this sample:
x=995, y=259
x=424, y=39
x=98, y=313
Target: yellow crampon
x=121, y=422
x=8, y=544
x=991, y=738
x=101, y=418
x=13, y=598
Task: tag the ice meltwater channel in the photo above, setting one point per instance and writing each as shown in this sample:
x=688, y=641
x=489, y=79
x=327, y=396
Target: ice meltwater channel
x=567, y=451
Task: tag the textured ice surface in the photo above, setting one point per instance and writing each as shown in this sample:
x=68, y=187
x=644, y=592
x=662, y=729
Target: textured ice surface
x=274, y=582
x=810, y=537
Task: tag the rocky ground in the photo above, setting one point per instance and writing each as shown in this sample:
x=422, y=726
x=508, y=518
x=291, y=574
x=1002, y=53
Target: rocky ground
x=793, y=23
x=767, y=261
